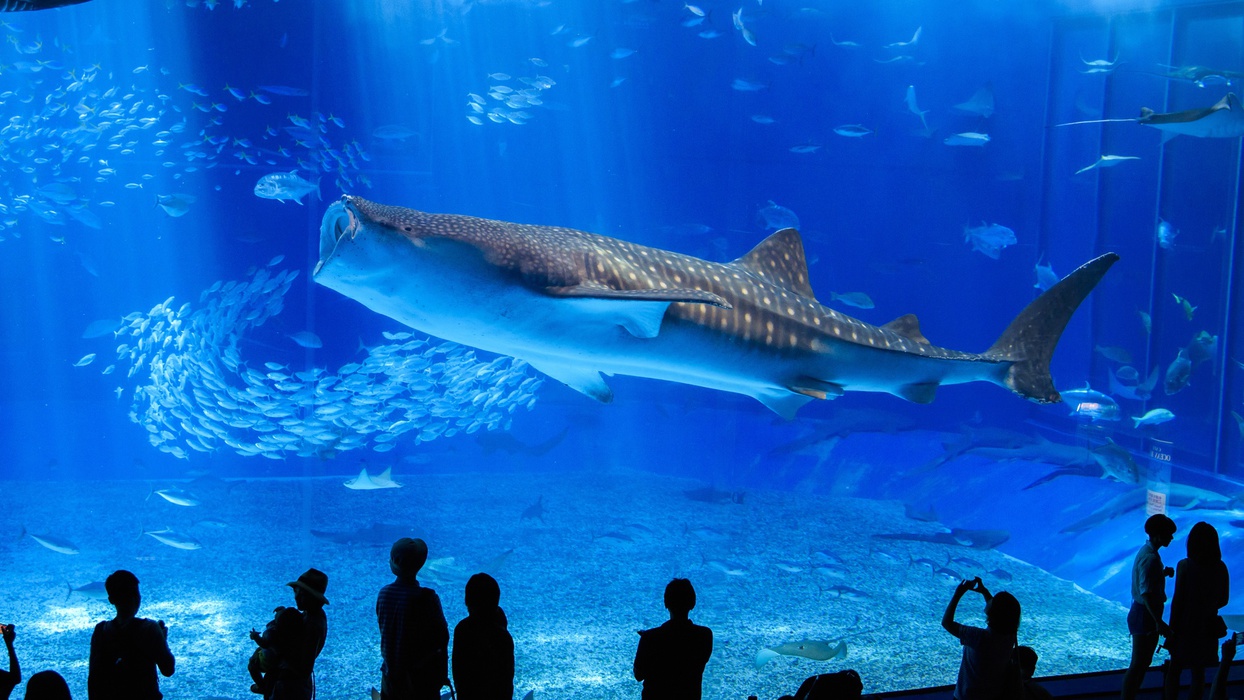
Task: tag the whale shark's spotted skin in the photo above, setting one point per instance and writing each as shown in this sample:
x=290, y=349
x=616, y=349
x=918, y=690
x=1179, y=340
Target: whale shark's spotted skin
x=559, y=298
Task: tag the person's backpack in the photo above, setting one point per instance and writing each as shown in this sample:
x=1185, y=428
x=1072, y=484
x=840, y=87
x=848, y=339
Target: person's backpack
x=843, y=685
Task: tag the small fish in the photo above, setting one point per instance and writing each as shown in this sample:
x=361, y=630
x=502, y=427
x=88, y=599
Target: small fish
x=1146, y=321
x=859, y=300
x=86, y=360
x=695, y=10
x=621, y=53
x=284, y=90
x=989, y=239
x=1178, y=373
x=853, y=131
x=59, y=545
x=1166, y=235
x=177, y=496
x=1106, y=161
x=1184, y=304
x=1155, y=417
x=775, y=217
x=844, y=44
x=307, y=339
x=763, y=119
x=846, y=592
x=806, y=148
x=283, y=186
x=174, y=539
x=748, y=85
x=910, y=100
x=967, y=138
x=1046, y=277
x=1000, y=574
x=1114, y=354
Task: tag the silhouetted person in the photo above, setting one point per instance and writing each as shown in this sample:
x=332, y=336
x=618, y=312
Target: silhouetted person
x=47, y=685
x=309, y=592
x=1202, y=587
x=1033, y=690
x=414, y=637
x=278, y=666
x=986, y=652
x=127, y=650
x=483, y=660
x=1218, y=691
x=10, y=678
x=671, y=658
x=1144, y=619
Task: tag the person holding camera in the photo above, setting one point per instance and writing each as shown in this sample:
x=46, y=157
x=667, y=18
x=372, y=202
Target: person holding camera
x=986, y=652
x=10, y=678
x=127, y=650
x=1144, y=619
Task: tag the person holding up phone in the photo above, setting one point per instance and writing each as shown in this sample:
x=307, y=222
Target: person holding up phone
x=11, y=678
x=986, y=652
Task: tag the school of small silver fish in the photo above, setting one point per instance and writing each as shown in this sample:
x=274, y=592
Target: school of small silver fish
x=516, y=100
x=198, y=394
x=76, y=135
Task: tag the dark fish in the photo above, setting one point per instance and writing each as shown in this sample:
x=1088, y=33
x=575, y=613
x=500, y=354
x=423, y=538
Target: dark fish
x=504, y=442
x=1177, y=374
x=708, y=494
x=925, y=515
x=1000, y=574
x=29, y=5
x=374, y=534
x=285, y=90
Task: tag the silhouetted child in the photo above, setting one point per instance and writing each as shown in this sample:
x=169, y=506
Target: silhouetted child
x=483, y=659
x=281, y=638
x=47, y=685
x=10, y=678
x=671, y=658
x=1033, y=690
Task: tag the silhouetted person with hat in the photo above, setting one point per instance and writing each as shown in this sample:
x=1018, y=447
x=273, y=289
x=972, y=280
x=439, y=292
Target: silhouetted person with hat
x=1144, y=619
x=671, y=658
x=483, y=660
x=414, y=637
x=309, y=597
x=10, y=678
x=127, y=650
x=47, y=685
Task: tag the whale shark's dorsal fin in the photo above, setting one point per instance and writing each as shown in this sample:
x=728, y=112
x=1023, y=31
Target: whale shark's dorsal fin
x=908, y=326
x=779, y=260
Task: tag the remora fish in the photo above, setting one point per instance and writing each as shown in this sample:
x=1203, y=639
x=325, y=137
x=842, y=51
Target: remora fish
x=1222, y=120
x=576, y=304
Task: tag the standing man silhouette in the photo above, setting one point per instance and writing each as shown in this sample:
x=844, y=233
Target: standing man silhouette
x=1144, y=620
x=671, y=658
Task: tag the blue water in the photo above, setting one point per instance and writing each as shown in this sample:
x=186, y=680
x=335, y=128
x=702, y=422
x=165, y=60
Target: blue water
x=128, y=173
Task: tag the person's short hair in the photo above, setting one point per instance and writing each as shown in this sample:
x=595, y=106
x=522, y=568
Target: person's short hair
x=47, y=685
x=1160, y=525
x=482, y=593
x=1027, y=660
x=679, y=596
x=1203, y=544
x=121, y=585
x=1003, y=613
x=408, y=555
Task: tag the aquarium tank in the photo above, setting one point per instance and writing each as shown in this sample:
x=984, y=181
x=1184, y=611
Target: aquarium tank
x=822, y=306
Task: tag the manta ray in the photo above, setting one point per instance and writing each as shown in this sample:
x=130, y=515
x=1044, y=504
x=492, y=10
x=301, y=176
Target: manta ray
x=1222, y=120
x=576, y=305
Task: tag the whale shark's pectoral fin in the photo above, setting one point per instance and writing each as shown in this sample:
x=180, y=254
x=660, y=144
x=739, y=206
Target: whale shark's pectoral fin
x=639, y=311
x=596, y=290
x=923, y=392
x=583, y=380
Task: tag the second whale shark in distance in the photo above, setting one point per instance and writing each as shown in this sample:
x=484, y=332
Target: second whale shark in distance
x=576, y=304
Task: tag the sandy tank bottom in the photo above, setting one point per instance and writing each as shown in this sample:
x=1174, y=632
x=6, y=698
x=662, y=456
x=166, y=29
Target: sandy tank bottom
x=576, y=585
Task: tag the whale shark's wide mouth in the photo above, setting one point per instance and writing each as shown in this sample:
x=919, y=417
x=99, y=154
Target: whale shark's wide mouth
x=339, y=221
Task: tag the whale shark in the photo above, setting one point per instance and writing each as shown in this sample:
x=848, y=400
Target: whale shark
x=576, y=305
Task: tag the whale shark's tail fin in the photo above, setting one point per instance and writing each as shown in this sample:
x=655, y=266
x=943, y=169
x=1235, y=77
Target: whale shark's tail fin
x=1030, y=339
